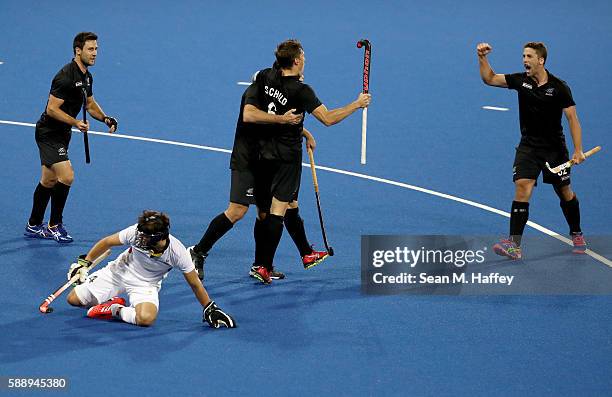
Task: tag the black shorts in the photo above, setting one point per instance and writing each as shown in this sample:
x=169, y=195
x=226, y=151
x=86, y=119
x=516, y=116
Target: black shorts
x=52, y=145
x=277, y=179
x=528, y=162
x=242, y=190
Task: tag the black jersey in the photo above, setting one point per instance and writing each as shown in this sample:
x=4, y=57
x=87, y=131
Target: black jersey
x=278, y=94
x=68, y=84
x=540, y=109
x=246, y=145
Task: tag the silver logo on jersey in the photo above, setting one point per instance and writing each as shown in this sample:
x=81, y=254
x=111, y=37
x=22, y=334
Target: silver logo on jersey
x=550, y=91
x=272, y=108
x=528, y=86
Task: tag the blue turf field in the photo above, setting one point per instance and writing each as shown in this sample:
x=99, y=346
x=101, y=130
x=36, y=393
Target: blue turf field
x=171, y=72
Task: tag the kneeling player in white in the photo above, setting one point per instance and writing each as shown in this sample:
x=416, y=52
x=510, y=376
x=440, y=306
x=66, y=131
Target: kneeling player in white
x=138, y=271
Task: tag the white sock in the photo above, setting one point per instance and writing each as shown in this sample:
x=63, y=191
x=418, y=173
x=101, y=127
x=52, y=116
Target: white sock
x=127, y=314
x=115, y=308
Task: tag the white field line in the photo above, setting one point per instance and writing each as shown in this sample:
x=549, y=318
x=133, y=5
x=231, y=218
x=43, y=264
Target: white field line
x=495, y=108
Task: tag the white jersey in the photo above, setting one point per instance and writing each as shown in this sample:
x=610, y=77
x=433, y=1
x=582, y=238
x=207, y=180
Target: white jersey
x=139, y=265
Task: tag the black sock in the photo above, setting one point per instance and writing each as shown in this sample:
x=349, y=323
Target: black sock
x=216, y=229
x=41, y=200
x=258, y=235
x=58, y=201
x=295, y=227
x=518, y=219
x=571, y=210
x=272, y=231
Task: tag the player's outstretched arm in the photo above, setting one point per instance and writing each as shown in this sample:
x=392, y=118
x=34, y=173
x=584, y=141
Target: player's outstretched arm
x=487, y=74
x=331, y=117
x=81, y=266
x=197, y=287
x=211, y=313
x=101, y=246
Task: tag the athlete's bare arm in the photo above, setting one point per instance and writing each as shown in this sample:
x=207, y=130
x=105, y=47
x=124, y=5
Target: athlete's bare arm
x=487, y=74
x=101, y=246
x=54, y=110
x=331, y=117
x=576, y=131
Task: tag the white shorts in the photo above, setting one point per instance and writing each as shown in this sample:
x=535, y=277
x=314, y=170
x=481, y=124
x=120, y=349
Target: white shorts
x=103, y=284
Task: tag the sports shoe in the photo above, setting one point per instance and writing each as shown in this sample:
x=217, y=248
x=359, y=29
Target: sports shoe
x=580, y=245
x=198, y=261
x=274, y=275
x=36, y=231
x=103, y=310
x=261, y=273
x=59, y=233
x=314, y=258
x=508, y=248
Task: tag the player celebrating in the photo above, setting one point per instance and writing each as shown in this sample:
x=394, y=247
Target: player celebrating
x=280, y=89
x=542, y=99
x=243, y=163
x=138, y=271
x=68, y=89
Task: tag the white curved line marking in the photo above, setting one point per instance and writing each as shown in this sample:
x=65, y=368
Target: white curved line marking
x=495, y=108
x=534, y=225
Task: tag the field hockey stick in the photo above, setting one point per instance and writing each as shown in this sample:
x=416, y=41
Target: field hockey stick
x=44, y=307
x=85, y=136
x=569, y=163
x=329, y=249
x=366, y=88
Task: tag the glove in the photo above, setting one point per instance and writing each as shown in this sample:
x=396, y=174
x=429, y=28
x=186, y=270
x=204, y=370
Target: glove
x=216, y=317
x=81, y=267
x=110, y=122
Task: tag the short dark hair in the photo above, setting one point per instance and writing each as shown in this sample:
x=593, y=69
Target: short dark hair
x=539, y=48
x=81, y=38
x=287, y=52
x=152, y=222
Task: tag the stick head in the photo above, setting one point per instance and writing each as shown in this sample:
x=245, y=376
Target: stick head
x=362, y=42
x=330, y=251
x=45, y=309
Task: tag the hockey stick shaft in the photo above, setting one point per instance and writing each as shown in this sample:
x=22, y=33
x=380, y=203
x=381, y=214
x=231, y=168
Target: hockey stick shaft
x=45, y=304
x=364, y=128
x=85, y=136
x=569, y=163
x=315, y=182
